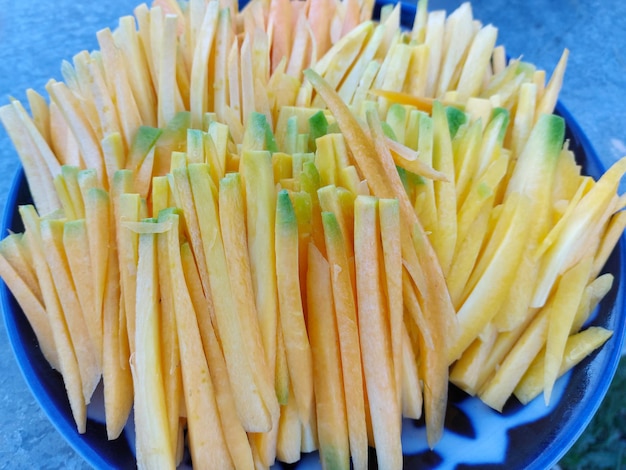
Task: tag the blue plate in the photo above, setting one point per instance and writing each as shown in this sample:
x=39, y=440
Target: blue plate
x=529, y=437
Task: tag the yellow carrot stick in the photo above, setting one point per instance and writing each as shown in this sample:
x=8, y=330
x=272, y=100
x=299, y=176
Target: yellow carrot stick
x=76, y=246
x=291, y=311
x=349, y=345
x=88, y=363
x=578, y=347
x=199, y=70
x=127, y=248
x=40, y=181
x=33, y=308
x=497, y=390
x=300, y=48
x=200, y=395
x=98, y=217
x=445, y=232
x=183, y=197
x=154, y=447
x=41, y=113
x=234, y=433
x=348, y=86
x=250, y=405
x=170, y=351
x=223, y=41
x=337, y=61
x=289, y=431
x=377, y=354
x=389, y=219
x=476, y=62
x=68, y=363
x=70, y=176
x=246, y=79
x=81, y=129
x=610, y=238
x=435, y=26
x=561, y=319
x=458, y=33
x=572, y=236
x=169, y=100
x=411, y=388
x=62, y=141
x=466, y=370
x=256, y=170
x=116, y=375
x=377, y=166
x=17, y=253
x=493, y=285
x=64, y=196
x=593, y=293
x=105, y=100
x=330, y=403
x=408, y=159
x=420, y=102
x=234, y=77
x=128, y=40
x=233, y=226
x=41, y=146
x=551, y=92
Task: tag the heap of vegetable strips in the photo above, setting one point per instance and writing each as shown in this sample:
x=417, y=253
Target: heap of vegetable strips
x=282, y=229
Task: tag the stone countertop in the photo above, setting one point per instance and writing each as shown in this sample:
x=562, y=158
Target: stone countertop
x=36, y=36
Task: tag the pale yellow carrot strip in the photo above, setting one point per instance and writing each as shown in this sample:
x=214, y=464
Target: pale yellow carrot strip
x=76, y=246
x=40, y=181
x=153, y=442
x=578, y=347
x=88, y=363
x=234, y=433
x=68, y=364
x=377, y=166
x=137, y=69
x=407, y=158
x=199, y=70
x=572, y=286
x=291, y=311
x=233, y=226
x=389, y=215
x=33, y=309
x=349, y=344
x=84, y=134
x=377, y=354
x=550, y=94
x=17, y=253
x=169, y=337
x=332, y=421
x=169, y=101
x=200, y=395
x=250, y=405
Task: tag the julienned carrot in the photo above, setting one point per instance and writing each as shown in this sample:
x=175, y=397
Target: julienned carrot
x=422, y=103
x=154, y=448
x=377, y=166
x=250, y=404
x=377, y=353
x=235, y=434
x=349, y=338
x=332, y=421
x=291, y=310
x=200, y=392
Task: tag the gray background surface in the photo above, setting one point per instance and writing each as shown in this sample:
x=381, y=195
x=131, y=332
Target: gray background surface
x=36, y=36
